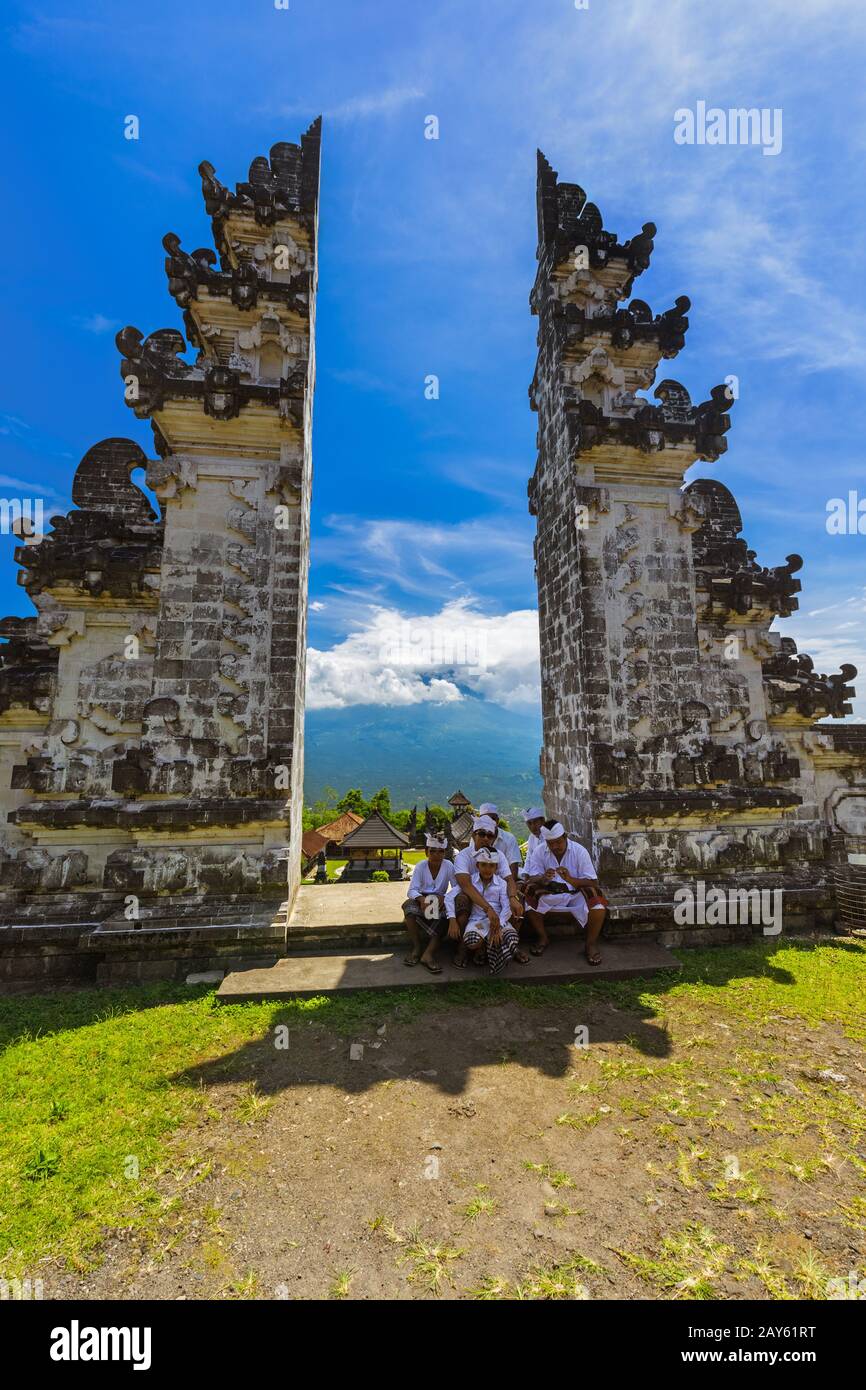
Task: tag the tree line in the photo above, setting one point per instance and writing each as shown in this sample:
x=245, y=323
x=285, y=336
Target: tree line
x=331, y=805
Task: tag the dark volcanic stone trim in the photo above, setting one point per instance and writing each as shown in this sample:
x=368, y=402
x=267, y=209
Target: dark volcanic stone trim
x=245, y=286
x=848, y=737
x=649, y=805
x=152, y=815
x=284, y=185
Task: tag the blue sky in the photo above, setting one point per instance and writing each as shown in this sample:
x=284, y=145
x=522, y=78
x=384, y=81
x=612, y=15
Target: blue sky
x=427, y=255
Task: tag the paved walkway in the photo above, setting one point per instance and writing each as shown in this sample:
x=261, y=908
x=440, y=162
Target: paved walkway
x=320, y=906
x=341, y=972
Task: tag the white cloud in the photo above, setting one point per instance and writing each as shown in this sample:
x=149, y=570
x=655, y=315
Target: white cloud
x=430, y=559
x=381, y=103
x=831, y=643
x=97, y=323
x=375, y=104
x=394, y=658
x=359, y=379
x=163, y=177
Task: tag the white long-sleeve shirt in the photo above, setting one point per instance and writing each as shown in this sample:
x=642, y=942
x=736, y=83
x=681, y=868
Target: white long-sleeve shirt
x=464, y=863
x=507, y=844
x=533, y=842
x=422, y=881
x=575, y=860
x=495, y=893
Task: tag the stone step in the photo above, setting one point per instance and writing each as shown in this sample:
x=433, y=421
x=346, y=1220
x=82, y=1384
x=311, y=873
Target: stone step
x=167, y=913
x=342, y=972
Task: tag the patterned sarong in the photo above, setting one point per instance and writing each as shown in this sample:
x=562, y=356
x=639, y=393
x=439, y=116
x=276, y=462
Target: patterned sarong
x=433, y=926
x=498, y=955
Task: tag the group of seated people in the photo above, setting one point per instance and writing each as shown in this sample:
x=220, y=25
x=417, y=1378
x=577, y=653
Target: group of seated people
x=481, y=898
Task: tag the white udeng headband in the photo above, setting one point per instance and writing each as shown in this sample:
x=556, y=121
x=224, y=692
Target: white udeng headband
x=533, y=813
x=435, y=842
x=554, y=833
x=483, y=823
x=488, y=809
x=486, y=856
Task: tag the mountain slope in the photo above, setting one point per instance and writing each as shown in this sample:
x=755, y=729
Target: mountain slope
x=425, y=752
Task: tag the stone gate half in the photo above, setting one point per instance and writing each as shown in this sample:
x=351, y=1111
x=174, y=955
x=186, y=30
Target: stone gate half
x=152, y=713
x=680, y=735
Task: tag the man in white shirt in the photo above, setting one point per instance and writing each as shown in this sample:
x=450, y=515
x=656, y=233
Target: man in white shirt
x=534, y=817
x=424, y=910
x=483, y=835
x=561, y=877
x=505, y=842
x=489, y=927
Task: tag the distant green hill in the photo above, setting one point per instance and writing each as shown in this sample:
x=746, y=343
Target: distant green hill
x=425, y=752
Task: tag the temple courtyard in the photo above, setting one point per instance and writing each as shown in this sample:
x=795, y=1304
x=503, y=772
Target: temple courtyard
x=695, y=1133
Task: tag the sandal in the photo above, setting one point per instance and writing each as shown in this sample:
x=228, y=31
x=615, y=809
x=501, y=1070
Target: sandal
x=433, y=966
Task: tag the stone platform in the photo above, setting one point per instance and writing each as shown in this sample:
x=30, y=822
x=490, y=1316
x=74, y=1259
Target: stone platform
x=342, y=972
x=337, y=937
x=346, y=914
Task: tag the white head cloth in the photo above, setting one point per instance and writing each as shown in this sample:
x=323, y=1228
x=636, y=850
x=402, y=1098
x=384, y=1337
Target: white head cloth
x=553, y=833
x=486, y=856
x=436, y=842
x=533, y=813
x=488, y=809
x=484, y=823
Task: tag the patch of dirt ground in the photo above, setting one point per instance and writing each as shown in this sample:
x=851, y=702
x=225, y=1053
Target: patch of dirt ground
x=479, y=1152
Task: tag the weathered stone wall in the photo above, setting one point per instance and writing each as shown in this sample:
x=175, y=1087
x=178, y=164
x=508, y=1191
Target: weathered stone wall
x=151, y=716
x=678, y=738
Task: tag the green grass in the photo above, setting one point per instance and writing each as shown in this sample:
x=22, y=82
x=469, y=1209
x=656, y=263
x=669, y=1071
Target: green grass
x=342, y=1284
x=544, y=1170
x=93, y=1084
x=334, y=868
x=480, y=1204
x=687, y=1266
x=542, y=1283
x=429, y=1264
